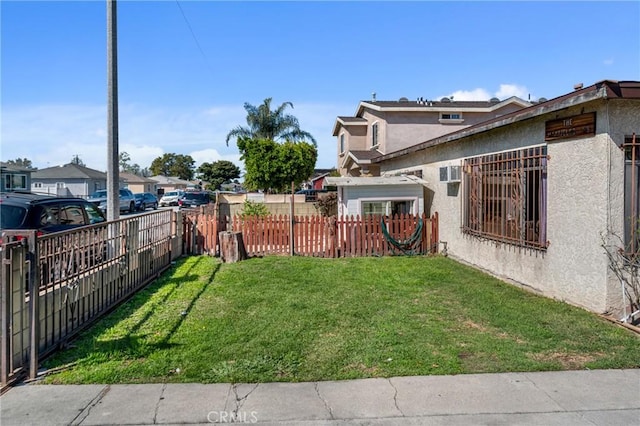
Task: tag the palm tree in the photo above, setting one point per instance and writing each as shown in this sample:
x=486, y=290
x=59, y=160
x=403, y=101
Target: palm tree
x=272, y=125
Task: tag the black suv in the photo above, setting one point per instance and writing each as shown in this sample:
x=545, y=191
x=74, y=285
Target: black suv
x=194, y=199
x=44, y=213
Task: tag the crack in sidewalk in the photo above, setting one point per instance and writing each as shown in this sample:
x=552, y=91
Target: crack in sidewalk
x=241, y=400
x=155, y=414
x=82, y=415
x=395, y=397
x=326, y=403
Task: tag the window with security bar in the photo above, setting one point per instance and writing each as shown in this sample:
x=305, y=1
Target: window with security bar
x=505, y=197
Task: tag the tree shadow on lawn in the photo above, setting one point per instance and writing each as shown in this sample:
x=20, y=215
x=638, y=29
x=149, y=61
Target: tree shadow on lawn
x=91, y=345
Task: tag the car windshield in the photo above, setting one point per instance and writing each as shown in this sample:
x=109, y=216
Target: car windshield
x=11, y=216
x=171, y=194
x=192, y=196
x=99, y=194
x=139, y=196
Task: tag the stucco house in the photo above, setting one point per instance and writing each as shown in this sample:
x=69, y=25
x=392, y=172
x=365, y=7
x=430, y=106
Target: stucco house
x=139, y=184
x=14, y=178
x=170, y=183
x=381, y=127
x=533, y=196
x=69, y=180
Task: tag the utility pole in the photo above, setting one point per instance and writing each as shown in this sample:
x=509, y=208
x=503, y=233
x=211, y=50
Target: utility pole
x=113, y=178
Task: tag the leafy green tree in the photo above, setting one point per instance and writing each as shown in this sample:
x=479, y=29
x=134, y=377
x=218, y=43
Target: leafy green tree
x=271, y=166
x=124, y=159
x=217, y=173
x=178, y=165
x=21, y=162
x=275, y=125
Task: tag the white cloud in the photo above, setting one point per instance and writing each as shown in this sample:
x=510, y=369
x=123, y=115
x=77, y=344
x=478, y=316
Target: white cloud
x=51, y=135
x=508, y=90
x=470, y=95
x=608, y=61
x=479, y=94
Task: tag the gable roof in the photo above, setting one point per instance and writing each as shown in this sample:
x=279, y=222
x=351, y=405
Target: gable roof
x=68, y=171
x=360, y=157
x=606, y=89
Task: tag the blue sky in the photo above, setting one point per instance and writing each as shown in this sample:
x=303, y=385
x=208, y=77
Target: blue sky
x=182, y=94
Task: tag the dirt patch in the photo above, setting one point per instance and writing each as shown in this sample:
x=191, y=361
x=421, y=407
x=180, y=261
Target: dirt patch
x=566, y=359
x=372, y=371
x=475, y=326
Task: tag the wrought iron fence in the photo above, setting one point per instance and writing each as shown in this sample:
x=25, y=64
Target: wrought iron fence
x=55, y=285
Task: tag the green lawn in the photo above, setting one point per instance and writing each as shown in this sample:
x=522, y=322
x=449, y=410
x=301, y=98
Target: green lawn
x=306, y=319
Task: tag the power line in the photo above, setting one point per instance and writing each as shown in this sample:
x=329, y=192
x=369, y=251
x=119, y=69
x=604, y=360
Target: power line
x=193, y=34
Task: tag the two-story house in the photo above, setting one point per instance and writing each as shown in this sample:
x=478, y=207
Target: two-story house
x=382, y=127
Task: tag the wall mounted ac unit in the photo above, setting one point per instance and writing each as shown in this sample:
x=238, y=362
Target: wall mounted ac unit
x=450, y=174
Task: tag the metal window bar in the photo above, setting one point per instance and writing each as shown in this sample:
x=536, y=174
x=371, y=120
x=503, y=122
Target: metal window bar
x=631, y=147
x=506, y=197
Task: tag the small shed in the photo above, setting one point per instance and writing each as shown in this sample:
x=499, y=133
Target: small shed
x=385, y=195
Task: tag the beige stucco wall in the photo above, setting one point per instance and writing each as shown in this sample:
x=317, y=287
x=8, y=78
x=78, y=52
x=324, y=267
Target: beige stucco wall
x=585, y=198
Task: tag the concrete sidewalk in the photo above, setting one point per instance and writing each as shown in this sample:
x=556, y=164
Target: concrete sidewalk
x=598, y=397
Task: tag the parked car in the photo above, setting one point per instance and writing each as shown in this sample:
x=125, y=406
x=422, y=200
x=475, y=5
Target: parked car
x=126, y=199
x=311, y=194
x=144, y=200
x=194, y=199
x=45, y=213
x=171, y=198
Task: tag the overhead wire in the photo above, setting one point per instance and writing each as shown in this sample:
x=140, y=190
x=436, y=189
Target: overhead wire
x=195, y=38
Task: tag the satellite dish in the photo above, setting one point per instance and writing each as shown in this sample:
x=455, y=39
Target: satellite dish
x=542, y=99
x=403, y=99
x=445, y=99
x=494, y=100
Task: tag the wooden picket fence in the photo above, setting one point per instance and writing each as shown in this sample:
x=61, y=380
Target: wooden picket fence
x=316, y=236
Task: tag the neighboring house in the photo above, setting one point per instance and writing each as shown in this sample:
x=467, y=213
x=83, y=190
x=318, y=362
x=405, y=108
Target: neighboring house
x=14, y=178
x=317, y=182
x=533, y=195
x=381, y=127
x=386, y=195
x=69, y=180
x=170, y=183
x=138, y=184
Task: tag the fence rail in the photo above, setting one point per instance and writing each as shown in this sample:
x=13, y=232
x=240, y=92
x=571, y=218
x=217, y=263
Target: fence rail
x=55, y=285
x=316, y=236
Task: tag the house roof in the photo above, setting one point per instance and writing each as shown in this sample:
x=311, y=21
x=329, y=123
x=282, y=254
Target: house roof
x=322, y=176
x=374, y=181
x=347, y=121
x=68, y=171
x=425, y=106
x=606, y=89
x=133, y=178
x=360, y=157
x=170, y=180
x=13, y=168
